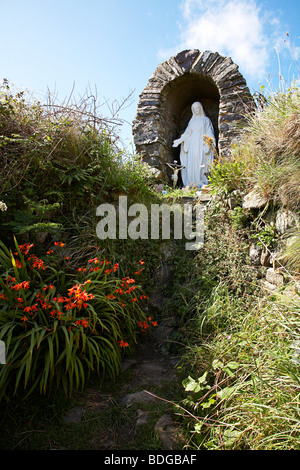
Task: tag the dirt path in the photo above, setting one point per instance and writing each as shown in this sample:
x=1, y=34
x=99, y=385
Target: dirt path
x=138, y=413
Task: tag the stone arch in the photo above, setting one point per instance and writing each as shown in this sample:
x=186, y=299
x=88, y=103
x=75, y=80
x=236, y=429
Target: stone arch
x=164, y=105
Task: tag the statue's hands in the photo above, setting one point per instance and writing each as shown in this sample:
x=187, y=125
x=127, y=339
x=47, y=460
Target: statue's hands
x=177, y=142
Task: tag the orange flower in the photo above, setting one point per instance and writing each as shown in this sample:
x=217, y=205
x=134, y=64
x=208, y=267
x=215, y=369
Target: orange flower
x=18, y=263
x=84, y=323
x=116, y=267
x=25, y=248
x=80, y=297
x=10, y=279
x=81, y=270
x=130, y=289
x=141, y=262
x=21, y=285
x=48, y=287
x=37, y=263
x=123, y=344
x=127, y=280
x=119, y=291
x=111, y=296
x=30, y=309
x=59, y=244
x=75, y=289
x=60, y=299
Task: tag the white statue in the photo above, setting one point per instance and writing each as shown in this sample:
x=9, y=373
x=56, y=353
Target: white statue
x=197, y=148
x=176, y=169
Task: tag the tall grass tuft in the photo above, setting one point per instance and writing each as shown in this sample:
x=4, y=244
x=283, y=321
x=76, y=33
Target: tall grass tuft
x=268, y=154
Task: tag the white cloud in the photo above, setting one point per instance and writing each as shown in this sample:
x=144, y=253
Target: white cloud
x=235, y=28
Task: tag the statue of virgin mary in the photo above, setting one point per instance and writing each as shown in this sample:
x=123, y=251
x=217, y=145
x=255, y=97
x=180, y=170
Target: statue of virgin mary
x=195, y=154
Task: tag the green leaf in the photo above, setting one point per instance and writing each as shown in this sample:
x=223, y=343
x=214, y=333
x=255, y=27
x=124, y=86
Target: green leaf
x=192, y=385
x=216, y=364
x=188, y=383
x=202, y=379
x=233, y=365
x=226, y=392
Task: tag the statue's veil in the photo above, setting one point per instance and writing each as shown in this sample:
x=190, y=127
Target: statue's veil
x=202, y=113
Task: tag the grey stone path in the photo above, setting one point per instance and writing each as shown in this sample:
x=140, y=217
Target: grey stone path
x=150, y=369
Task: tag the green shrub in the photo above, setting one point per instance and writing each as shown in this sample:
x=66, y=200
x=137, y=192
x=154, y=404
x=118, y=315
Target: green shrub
x=58, y=163
x=59, y=328
x=268, y=152
x=227, y=175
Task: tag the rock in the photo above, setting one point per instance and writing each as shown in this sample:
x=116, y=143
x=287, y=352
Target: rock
x=265, y=258
x=142, y=418
x=232, y=203
x=167, y=431
x=274, y=277
x=155, y=173
x=159, y=188
x=164, y=332
x=254, y=200
x=261, y=272
x=267, y=286
x=41, y=237
x=273, y=257
x=155, y=373
x=157, y=301
x=127, y=363
x=285, y=219
x=137, y=397
x=205, y=197
x=73, y=416
x=255, y=254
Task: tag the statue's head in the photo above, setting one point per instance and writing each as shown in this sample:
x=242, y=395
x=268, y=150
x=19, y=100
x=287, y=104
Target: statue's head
x=197, y=109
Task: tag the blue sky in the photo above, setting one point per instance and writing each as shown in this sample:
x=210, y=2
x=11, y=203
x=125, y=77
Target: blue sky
x=112, y=47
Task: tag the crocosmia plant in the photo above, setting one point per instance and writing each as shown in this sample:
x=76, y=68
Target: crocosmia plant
x=59, y=328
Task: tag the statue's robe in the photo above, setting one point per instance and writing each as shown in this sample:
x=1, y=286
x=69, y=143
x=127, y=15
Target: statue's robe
x=195, y=154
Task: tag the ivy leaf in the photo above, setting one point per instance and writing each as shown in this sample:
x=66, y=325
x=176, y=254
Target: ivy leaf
x=216, y=364
x=225, y=392
x=190, y=384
